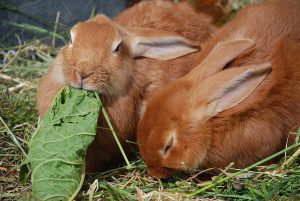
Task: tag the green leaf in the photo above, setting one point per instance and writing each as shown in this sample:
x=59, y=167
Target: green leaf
x=58, y=147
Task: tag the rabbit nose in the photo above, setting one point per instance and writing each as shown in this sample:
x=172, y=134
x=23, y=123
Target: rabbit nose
x=81, y=76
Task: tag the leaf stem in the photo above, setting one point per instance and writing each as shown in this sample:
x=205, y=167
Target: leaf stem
x=115, y=137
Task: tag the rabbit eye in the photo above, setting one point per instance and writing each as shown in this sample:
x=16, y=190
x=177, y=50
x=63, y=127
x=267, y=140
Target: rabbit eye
x=166, y=149
x=169, y=145
x=117, y=48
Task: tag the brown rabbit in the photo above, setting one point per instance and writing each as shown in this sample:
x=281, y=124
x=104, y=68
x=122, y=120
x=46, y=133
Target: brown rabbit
x=242, y=115
x=106, y=55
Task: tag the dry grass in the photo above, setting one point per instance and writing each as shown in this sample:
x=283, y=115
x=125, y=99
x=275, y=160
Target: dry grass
x=20, y=69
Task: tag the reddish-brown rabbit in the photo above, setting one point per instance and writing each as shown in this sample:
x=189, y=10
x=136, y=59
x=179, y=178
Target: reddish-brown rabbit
x=210, y=118
x=125, y=60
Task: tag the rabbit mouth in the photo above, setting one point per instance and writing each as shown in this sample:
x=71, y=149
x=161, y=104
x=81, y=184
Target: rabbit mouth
x=88, y=87
x=159, y=172
x=83, y=86
x=113, y=85
x=106, y=89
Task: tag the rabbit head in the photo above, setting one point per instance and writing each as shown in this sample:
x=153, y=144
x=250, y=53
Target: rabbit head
x=101, y=53
x=173, y=134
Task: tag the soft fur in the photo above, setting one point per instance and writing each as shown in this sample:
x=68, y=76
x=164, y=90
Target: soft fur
x=181, y=128
x=124, y=80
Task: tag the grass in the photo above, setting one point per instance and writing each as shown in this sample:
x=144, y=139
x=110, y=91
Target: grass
x=17, y=114
x=19, y=76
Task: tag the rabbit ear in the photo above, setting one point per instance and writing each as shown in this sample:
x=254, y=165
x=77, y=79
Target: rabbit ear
x=230, y=87
x=73, y=32
x=100, y=19
x=156, y=44
x=221, y=54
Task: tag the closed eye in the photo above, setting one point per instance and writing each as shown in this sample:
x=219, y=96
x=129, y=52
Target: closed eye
x=117, y=48
x=169, y=145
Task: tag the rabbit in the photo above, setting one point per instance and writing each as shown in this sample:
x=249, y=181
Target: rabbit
x=238, y=105
x=125, y=60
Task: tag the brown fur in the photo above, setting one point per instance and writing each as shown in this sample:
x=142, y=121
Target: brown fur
x=213, y=8
x=246, y=133
x=125, y=82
